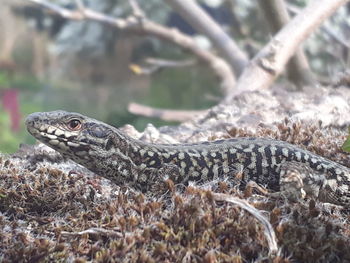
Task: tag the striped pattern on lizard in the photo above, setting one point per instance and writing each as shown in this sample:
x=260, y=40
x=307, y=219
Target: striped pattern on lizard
x=110, y=153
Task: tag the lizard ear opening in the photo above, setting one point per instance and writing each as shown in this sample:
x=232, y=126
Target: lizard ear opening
x=97, y=131
x=109, y=144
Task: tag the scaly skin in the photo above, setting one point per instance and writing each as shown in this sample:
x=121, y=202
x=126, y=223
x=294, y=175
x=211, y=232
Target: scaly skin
x=109, y=152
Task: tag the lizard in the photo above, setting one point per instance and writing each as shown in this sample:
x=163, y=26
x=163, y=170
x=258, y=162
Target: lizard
x=108, y=152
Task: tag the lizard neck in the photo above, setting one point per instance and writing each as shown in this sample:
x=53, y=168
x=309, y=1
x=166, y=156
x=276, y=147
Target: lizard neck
x=120, y=155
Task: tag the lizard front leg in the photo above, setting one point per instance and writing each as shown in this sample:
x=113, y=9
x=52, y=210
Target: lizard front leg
x=156, y=180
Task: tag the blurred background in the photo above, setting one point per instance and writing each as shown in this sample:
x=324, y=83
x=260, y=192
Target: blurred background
x=49, y=63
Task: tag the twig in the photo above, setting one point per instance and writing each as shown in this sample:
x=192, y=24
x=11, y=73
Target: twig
x=236, y=25
x=202, y=22
x=94, y=231
x=147, y=27
x=334, y=36
x=270, y=61
x=80, y=5
x=74, y=15
x=296, y=10
x=167, y=115
x=166, y=63
x=277, y=16
x=137, y=11
x=268, y=229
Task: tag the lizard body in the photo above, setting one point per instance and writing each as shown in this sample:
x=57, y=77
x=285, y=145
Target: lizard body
x=109, y=152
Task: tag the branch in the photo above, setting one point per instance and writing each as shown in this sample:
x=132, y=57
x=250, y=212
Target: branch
x=166, y=115
x=202, y=22
x=270, y=61
x=80, y=4
x=137, y=11
x=336, y=37
x=166, y=63
x=277, y=16
x=296, y=10
x=144, y=26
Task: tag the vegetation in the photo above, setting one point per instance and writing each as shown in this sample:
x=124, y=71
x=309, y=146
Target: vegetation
x=346, y=145
x=23, y=103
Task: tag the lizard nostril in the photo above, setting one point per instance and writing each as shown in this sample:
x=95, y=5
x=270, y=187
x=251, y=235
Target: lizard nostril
x=30, y=120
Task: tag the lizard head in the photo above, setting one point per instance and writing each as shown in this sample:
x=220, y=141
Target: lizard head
x=73, y=135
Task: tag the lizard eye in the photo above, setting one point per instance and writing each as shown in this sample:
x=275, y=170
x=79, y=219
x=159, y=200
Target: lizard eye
x=74, y=124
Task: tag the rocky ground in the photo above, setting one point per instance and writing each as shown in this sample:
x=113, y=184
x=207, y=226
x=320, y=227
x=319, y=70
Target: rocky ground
x=52, y=210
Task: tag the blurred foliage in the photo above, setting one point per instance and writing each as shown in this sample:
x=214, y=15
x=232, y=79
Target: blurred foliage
x=4, y=80
x=346, y=145
x=8, y=139
x=182, y=91
x=28, y=85
x=173, y=89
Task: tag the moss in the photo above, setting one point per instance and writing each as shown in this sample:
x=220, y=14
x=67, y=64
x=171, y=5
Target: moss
x=51, y=213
